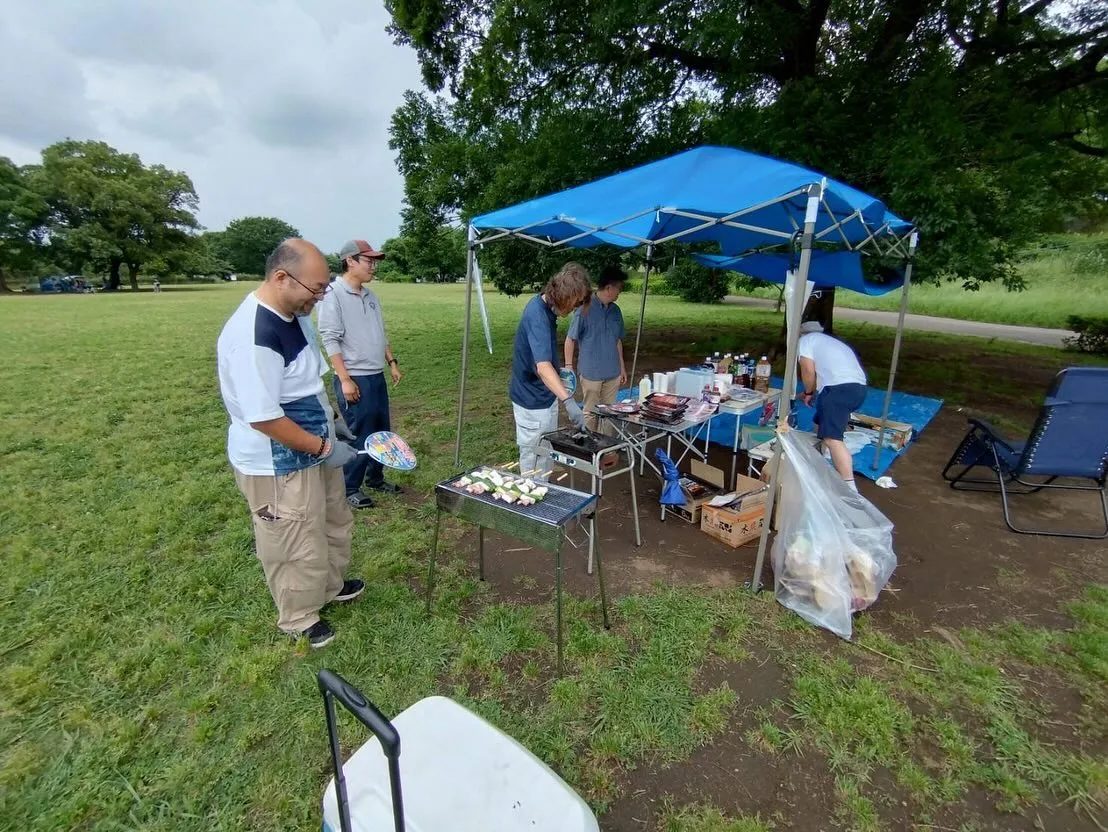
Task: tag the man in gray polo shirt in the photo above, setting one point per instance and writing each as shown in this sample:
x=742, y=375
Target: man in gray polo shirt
x=596, y=337
x=353, y=334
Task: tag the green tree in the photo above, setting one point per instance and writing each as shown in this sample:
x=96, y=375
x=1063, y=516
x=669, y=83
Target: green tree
x=108, y=210
x=696, y=283
x=984, y=122
x=23, y=214
x=248, y=241
x=435, y=254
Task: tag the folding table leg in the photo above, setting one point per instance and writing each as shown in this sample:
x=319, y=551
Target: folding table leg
x=431, y=567
x=635, y=507
x=558, y=601
x=481, y=552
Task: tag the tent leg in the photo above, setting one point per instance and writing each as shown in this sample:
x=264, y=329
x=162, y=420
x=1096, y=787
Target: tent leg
x=796, y=311
x=470, y=254
x=896, y=351
x=642, y=314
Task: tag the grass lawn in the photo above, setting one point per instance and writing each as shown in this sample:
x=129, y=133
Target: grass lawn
x=143, y=684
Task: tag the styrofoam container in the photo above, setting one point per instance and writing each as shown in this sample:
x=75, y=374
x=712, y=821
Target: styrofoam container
x=692, y=382
x=458, y=773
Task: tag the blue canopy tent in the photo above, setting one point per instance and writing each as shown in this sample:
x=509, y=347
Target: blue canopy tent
x=841, y=269
x=741, y=201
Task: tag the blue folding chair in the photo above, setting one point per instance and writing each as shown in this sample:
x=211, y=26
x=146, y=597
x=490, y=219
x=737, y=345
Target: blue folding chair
x=1069, y=440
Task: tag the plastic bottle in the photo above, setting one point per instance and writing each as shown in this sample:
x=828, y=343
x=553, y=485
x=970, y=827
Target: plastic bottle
x=761, y=375
x=644, y=389
x=743, y=371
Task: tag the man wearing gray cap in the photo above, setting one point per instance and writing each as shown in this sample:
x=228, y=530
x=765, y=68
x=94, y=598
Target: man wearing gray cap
x=353, y=334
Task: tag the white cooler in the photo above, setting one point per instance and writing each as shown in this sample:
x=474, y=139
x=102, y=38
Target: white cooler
x=459, y=773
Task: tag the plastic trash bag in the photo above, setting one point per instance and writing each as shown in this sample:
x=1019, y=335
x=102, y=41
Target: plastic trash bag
x=834, y=552
x=672, y=495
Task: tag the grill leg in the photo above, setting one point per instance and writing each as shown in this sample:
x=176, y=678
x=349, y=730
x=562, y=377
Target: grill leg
x=431, y=567
x=592, y=528
x=558, y=601
x=481, y=552
x=600, y=578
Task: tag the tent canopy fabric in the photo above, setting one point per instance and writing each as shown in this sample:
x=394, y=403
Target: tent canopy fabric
x=737, y=199
x=841, y=269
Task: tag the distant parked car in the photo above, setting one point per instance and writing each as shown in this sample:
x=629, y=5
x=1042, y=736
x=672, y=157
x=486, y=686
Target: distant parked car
x=65, y=284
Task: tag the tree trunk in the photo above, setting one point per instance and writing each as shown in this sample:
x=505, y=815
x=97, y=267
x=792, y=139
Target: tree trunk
x=133, y=271
x=113, y=276
x=822, y=308
x=4, y=287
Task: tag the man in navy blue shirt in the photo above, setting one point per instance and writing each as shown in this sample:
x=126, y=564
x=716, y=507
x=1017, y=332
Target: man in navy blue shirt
x=596, y=336
x=535, y=387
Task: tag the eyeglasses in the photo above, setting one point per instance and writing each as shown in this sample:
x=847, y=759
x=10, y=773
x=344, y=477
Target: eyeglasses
x=317, y=292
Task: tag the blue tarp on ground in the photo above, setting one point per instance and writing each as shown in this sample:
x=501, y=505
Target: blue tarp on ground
x=842, y=269
x=675, y=194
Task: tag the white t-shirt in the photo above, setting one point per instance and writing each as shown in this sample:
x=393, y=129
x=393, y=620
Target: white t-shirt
x=269, y=367
x=835, y=362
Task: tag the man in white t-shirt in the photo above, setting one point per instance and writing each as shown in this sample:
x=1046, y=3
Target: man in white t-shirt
x=282, y=444
x=829, y=368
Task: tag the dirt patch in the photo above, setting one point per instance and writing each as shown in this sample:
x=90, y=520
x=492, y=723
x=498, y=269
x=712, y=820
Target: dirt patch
x=959, y=566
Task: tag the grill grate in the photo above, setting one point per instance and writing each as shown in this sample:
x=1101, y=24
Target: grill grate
x=558, y=507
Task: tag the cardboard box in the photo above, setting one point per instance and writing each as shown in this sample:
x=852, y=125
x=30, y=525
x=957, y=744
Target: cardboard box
x=733, y=528
x=706, y=477
x=748, y=493
x=897, y=434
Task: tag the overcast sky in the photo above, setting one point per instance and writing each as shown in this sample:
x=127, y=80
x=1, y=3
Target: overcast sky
x=273, y=107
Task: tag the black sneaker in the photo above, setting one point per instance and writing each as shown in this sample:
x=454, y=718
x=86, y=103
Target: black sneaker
x=319, y=634
x=350, y=590
x=386, y=488
x=360, y=500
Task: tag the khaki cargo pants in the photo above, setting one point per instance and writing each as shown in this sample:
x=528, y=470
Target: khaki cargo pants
x=598, y=392
x=302, y=527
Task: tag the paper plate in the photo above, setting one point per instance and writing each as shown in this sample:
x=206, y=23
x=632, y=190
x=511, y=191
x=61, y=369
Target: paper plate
x=569, y=379
x=390, y=450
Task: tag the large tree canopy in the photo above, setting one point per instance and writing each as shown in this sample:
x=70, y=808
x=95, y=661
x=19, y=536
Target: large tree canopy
x=22, y=219
x=108, y=210
x=983, y=122
x=247, y=242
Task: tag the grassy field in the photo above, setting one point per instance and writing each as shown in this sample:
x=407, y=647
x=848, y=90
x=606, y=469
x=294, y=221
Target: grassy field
x=1067, y=278
x=143, y=685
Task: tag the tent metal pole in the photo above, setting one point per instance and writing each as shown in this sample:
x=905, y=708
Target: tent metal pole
x=470, y=254
x=642, y=313
x=795, y=311
x=896, y=349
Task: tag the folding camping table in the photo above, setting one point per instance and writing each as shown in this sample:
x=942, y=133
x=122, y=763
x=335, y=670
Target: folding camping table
x=542, y=524
x=638, y=432
x=738, y=409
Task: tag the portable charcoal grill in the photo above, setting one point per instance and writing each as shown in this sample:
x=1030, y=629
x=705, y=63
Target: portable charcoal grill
x=542, y=524
x=585, y=451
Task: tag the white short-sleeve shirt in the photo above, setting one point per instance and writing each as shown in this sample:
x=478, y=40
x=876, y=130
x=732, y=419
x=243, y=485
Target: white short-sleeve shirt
x=835, y=362
x=269, y=367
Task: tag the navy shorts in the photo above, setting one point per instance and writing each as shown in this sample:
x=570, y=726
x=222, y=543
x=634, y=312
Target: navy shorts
x=834, y=406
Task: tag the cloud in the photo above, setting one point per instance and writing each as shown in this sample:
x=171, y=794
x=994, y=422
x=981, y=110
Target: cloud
x=271, y=106
x=42, y=90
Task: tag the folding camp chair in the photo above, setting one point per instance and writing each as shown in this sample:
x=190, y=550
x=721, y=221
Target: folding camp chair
x=1069, y=440
x=461, y=774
